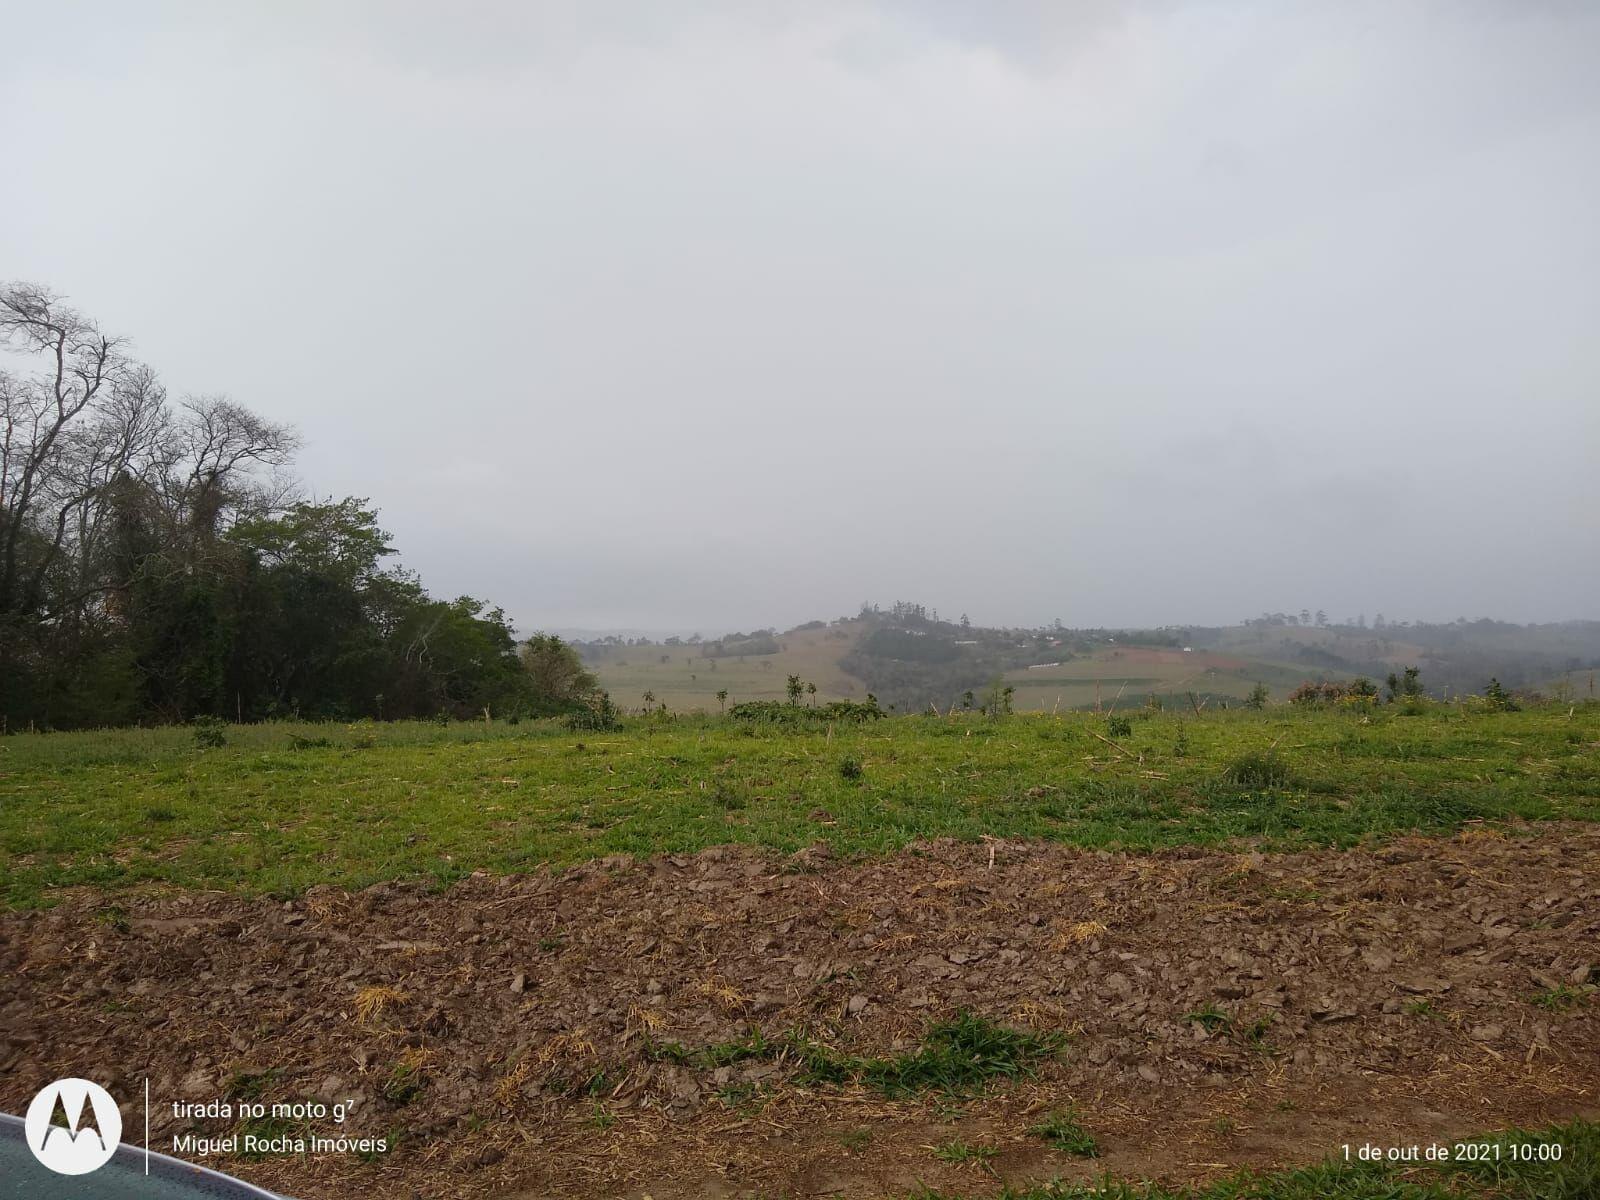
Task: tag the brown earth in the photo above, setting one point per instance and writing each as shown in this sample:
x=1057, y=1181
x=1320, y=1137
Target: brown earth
x=1393, y=991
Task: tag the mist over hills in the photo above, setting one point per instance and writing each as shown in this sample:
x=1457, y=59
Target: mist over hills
x=910, y=657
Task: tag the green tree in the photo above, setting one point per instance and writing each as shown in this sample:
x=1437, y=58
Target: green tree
x=555, y=672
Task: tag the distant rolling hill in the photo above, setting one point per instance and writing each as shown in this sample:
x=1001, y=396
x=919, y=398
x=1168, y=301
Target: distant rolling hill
x=910, y=659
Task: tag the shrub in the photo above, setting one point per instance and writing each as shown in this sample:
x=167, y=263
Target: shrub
x=598, y=714
x=776, y=713
x=1257, y=771
x=1497, y=698
x=850, y=768
x=1357, y=693
x=1119, y=727
x=208, y=733
x=1257, y=697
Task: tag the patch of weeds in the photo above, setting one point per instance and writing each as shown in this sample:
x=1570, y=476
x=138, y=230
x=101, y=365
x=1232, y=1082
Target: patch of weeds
x=730, y=795
x=554, y=942
x=1256, y=1033
x=1210, y=1018
x=1423, y=1009
x=600, y=1117
x=404, y=1083
x=298, y=742
x=1223, y=1127
x=739, y=1096
x=723, y=1054
x=850, y=768
x=1119, y=727
x=856, y=1140
x=673, y=1052
x=160, y=813
x=957, y=1151
x=957, y=1055
x=249, y=1085
x=1064, y=1131
x=113, y=916
x=1257, y=772
x=1560, y=999
x=391, y=1143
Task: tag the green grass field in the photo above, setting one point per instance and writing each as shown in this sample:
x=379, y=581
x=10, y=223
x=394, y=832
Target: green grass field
x=282, y=807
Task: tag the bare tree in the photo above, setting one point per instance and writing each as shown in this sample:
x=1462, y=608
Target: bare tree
x=89, y=436
x=37, y=412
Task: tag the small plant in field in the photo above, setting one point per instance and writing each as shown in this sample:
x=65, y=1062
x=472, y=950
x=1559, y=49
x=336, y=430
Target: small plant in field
x=957, y=1151
x=856, y=1140
x=1258, y=771
x=1119, y=727
x=297, y=742
x=363, y=737
x=1560, y=999
x=209, y=733
x=404, y=1083
x=850, y=768
x=1064, y=1131
x=1210, y=1018
x=1423, y=1009
x=113, y=916
x=1256, y=1032
x=1497, y=698
x=160, y=813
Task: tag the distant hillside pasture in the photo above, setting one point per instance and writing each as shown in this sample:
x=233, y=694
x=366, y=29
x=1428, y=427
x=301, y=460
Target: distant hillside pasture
x=1128, y=676
x=688, y=681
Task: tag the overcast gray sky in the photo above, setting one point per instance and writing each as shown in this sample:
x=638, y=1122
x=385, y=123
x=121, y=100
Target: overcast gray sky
x=716, y=315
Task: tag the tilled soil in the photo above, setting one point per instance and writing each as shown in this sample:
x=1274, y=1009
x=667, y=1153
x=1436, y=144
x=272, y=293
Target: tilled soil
x=518, y=1031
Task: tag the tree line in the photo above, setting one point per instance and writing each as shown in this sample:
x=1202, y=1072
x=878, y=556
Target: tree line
x=157, y=563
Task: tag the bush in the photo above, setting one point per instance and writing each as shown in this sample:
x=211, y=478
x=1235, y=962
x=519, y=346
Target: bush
x=1257, y=697
x=1118, y=727
x=1498, y=699
x=850, y=768
x=1359, y=692
x=208, y=733
x=598, y=714
x=1256, y=772
x=776, y=713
